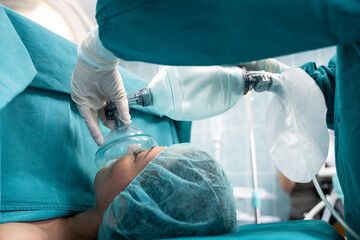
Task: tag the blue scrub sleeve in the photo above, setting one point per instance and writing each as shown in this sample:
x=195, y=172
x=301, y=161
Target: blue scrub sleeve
x=187, y=32
x=324, y=77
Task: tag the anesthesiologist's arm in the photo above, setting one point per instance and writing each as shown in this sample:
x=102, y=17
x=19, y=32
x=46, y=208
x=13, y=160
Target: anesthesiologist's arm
x=95, y=80
x=324, y=77
x=186, y=32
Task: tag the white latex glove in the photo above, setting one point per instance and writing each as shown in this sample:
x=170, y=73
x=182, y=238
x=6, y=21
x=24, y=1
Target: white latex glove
x=95, y=80
x=268, y=65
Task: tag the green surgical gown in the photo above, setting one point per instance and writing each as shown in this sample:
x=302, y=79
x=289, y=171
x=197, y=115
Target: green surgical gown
x=206, y=32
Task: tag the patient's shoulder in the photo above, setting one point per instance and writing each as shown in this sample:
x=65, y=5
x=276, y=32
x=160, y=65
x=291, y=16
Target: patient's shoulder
x=21, y=231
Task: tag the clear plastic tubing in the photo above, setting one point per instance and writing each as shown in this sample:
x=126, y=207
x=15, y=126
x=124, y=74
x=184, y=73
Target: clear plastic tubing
x=192, y=93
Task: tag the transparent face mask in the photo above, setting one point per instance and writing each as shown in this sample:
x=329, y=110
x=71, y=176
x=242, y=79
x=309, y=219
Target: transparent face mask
x=121, y=141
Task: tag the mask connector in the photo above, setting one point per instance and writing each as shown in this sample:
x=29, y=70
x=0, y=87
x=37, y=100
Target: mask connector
x=143, y=98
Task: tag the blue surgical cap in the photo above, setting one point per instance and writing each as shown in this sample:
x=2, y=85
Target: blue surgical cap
x=183, y=191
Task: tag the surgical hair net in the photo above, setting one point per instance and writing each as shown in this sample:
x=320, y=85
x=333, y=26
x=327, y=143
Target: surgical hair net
x=183, y=191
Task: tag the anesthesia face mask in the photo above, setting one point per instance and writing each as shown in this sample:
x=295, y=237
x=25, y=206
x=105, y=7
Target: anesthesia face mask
x=121, y=141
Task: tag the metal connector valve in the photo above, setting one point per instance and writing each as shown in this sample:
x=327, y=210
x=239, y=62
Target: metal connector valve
x=258, y=80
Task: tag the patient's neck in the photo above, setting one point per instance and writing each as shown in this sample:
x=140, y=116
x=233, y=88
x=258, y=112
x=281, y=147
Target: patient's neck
x=84, y=225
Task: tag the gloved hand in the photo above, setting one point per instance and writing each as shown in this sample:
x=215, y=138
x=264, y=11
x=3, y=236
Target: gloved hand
x=95, y=80
x=268, y=65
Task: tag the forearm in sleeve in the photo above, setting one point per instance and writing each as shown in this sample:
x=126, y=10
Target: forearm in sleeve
x=324, y=77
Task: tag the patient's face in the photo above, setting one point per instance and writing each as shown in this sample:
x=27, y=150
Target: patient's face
x=111, y=180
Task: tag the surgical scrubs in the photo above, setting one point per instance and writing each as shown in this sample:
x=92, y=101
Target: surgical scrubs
x=47, y=153
x=186, y=32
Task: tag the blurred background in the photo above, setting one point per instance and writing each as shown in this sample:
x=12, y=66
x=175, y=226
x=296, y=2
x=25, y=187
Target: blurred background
x=226, y=136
